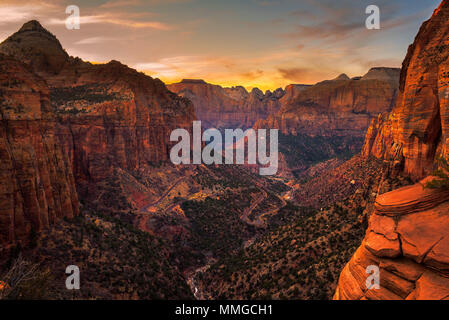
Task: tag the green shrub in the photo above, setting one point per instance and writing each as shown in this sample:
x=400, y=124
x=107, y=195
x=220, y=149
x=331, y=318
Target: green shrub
x=442, y=174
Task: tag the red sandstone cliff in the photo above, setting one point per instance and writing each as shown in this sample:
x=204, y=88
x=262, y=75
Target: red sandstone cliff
x=109, y=115
x=416, y=131
x=407, y=236
x=338, y=107
x=88, y=122
x=37, y=187
x=228, y=107
x=407, y=239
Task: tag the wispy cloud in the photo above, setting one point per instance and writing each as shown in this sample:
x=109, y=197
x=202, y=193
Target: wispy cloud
x=117, y=20
x=94, y=40
x=179, y=66
x=13, y=14
x=267, y=43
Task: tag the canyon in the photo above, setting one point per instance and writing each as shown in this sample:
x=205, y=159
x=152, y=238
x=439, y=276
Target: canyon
x=93, y=119
x=86, y=176
x=110, y=120
x=235, y=107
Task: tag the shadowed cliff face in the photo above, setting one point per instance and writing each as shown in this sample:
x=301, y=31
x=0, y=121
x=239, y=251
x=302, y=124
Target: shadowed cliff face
x=109, y=115
x=37, y=185
x=89, y=121
x=234, y=107
x=416, y=131
x=339, y=107
x=407, y=237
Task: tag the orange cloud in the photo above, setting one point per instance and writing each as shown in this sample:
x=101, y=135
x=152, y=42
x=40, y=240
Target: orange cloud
x=117, y=19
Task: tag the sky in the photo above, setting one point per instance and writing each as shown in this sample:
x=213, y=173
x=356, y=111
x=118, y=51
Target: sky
x=254, y=43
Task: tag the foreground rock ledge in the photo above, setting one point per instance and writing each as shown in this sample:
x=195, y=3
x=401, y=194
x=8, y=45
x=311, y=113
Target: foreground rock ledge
x=408, y=239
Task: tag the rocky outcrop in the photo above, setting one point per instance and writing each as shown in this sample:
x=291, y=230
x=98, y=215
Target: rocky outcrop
x=407, y=236
x=407, y=239
x=339, y=107
x=125, y=122
x=37, y=186
x=88, y=122
x=109, y=115
x=37, y=47
x=416, y=131
x=234, y=107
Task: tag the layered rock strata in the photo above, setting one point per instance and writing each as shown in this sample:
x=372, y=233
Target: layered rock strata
x=339, y=107
x=407, y=239
x=416, y=131
x=37, y=186
x=234, y=107
x=70, y=123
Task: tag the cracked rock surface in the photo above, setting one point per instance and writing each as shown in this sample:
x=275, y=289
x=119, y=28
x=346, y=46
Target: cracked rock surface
x=409, y=243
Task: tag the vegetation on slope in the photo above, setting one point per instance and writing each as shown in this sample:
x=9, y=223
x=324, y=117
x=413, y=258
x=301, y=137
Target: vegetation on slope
x=442, y=174
x=116, y=261
x=302, y=151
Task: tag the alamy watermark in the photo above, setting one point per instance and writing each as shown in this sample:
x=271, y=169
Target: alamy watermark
x=73, y=21
x=373, y=281
x=373, y=20
x=73, y=280
x=216, y=149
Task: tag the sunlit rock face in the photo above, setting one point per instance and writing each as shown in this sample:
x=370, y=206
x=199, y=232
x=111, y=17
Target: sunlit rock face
x=416, y=131
x=234, y=107
x=407, y=237
x=69, y=122
x=37, y=186
x=338, y=107
x=109, y=114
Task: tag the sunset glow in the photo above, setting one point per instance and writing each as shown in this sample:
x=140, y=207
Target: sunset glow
x=254, y=43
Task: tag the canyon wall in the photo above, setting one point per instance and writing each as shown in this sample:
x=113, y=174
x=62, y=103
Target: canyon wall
x=94, y=119
x=234, y=107
x=342, y=106
x=338, y=107
x=407, y=237
x=416, y=131
x=109, y=115
x=37, y=185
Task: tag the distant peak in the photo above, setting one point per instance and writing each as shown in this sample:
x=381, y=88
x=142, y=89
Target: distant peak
x=382, y=73
x=36, y=46
x=115, y=63
x=384, y=69
x=194, y=81
x=343, y=76
x=32, y=25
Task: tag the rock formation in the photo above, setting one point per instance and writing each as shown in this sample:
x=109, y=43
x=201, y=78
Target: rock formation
x=109, y=115
x=407, y=237
x=339, y=107
x=103, y=116
x=416, y=131
x=37, y=186
x=234, y=107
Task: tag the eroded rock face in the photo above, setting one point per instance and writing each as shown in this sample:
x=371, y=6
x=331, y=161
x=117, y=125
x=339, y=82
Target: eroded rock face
x=416, y=131
x=407, y=235
x=109, y=115
x=339, y=107
x=89, y=121
x=219, y=107
x=37, y=186
x=407, y=239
